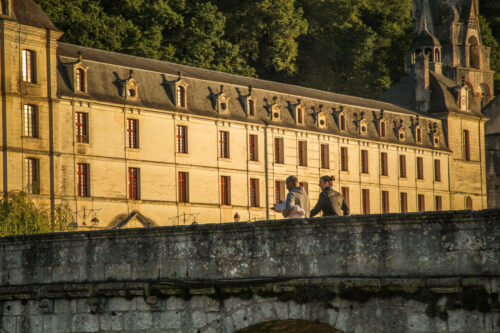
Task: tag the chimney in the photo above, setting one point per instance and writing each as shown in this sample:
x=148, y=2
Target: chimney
x=422, y=90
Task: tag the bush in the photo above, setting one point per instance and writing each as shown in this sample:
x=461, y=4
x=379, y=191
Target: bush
x=19, y=215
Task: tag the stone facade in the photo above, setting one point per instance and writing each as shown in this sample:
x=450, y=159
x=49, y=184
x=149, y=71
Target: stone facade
x=419, y=273
x=106, y=139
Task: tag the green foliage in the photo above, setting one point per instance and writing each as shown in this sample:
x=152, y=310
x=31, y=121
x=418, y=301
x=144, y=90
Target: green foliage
x=354, y=47
x=19, y=215
x=489, y=39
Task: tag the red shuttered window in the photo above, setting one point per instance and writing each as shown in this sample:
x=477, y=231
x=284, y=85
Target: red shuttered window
x=134, y=192
x=83, y=180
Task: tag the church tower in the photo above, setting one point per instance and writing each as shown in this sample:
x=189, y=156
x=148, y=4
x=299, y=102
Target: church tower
x=465, y=59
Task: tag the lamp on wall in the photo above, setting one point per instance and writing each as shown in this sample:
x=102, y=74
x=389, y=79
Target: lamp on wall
x=86, y=213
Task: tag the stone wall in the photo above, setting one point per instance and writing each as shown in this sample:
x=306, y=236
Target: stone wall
x=431, y=272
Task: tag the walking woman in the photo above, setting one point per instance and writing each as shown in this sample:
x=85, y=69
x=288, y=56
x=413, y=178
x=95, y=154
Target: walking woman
x=330, y=202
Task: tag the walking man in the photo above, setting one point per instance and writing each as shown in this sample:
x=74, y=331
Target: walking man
x=330, y=202
x=297, y=200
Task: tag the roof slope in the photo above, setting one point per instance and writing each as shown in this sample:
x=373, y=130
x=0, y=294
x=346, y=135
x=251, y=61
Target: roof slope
x=27, y=12
x=132, y=62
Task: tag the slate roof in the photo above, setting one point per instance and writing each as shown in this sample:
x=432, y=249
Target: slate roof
x=27, y=12
x=107, y=69
x=492, y=110
x=443, y=94
x=425, y=38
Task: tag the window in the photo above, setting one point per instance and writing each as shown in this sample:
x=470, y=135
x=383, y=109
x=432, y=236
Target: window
x=402, y=166
x=30, y=121
x=466, y=149
x=251, y=107
x=419, y=134
x=437, y=170
x=300, y=116
x=81, y=124
x=385, y=201
x=420, y=168
x=182, y=139
x=439, y=203
x=134, y=192
x=4, y=3
x=305, y=186
x=325, y=156
x=29, y=66
x=253, y=147
x=183, y=186
x=181, y=96
x=133, y=133
x=345, y=194
x=382, y=129
x=223, y=144
x=302, y=153
x=254, y=192
x=366, y=201
x=404, y=202
x=83, y=180
x=344, y=159
x=80, y=80
x=468, y=203
x=225, y=190
x=279, y=156
x=364, y=161
x=384, y=167
x=32, y=175
x=421, y=203
x=342, y=122
x=279, y=191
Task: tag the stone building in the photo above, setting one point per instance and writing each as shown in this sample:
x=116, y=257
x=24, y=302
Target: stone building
x=492, y=111
x=126, y=140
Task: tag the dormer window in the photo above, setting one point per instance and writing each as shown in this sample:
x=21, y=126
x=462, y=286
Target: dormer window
x=276, y=112
x=300, y=115
x=80, y=80
x=363, y=126
x=321, y=120
x=401, y=134
x=418, y=135
x=250, y=107
x=222, y=103
x=132, y=90
x=180, y=96
x=342, y=122
x=383, y=129
x=435, y=140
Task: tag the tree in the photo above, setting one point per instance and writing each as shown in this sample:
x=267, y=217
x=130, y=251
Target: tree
x=19, y=215
x=354, y=47
x=490, y=40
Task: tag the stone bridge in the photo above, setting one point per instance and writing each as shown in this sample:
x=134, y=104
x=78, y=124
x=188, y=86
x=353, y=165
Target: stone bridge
x=422, y=273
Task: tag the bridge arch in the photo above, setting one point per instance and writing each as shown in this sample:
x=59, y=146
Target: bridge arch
x=296, y=326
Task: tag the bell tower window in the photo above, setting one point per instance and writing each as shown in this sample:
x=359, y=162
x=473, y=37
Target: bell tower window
x=474, y=61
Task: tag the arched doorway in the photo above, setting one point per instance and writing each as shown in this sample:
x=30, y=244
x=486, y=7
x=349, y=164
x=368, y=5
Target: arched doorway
x=473, y=52
x=468, y=203
x=290, y=326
